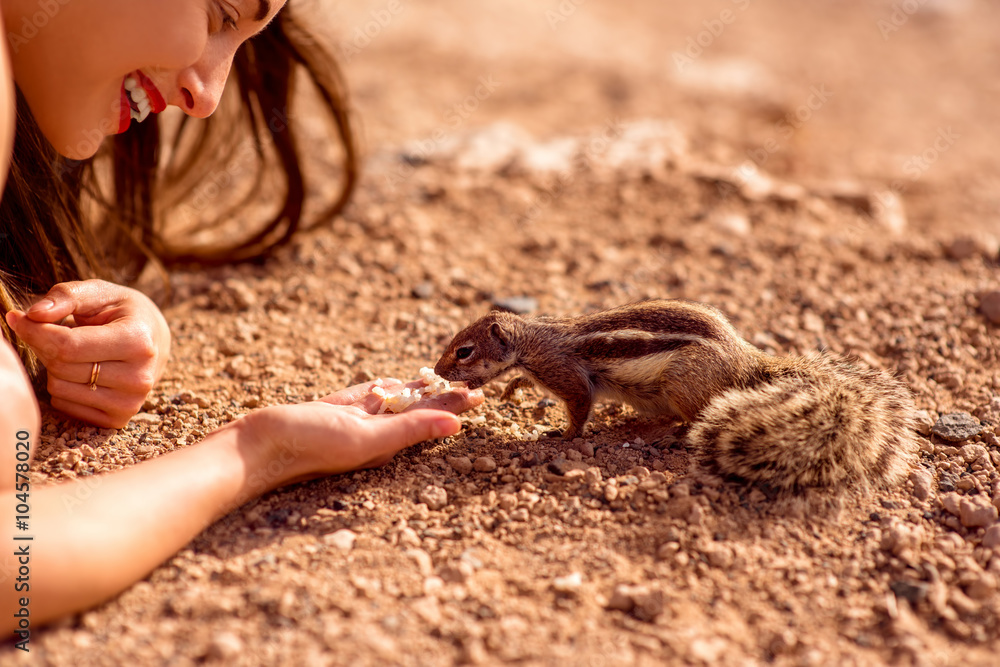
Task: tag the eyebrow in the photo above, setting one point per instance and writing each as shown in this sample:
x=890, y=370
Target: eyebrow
x=263, y=11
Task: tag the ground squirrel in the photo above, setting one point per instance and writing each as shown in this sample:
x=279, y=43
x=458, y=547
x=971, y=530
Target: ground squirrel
x=786, y=422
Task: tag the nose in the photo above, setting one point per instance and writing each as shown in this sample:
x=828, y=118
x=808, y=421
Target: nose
x=200, y=86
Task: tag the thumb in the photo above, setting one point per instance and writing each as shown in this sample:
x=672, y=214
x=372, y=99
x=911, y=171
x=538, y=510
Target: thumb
x=85, y=297
x=13, y=318
x=409, y=428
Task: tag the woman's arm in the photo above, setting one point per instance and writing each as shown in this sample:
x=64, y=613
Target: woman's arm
x=18, y=412
x=95, y=537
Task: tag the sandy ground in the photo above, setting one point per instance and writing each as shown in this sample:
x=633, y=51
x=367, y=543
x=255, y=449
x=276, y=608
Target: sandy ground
x=824, y=172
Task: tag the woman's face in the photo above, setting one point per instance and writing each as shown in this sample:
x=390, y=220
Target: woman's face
x=86, y=67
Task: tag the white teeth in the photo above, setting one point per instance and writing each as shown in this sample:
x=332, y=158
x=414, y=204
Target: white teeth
x=140, y=98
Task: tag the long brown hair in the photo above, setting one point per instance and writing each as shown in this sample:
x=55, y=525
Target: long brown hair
x=54, y=209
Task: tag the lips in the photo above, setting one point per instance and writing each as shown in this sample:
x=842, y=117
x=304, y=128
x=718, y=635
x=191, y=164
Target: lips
x=139, y=98
x=125, y=115
x=155, y=98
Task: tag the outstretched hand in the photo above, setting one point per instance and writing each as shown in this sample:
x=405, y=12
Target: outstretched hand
x=343, y=431
x=80, y=324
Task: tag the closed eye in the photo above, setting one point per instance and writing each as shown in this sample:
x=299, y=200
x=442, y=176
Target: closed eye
x=463, y=352
x=228, y=21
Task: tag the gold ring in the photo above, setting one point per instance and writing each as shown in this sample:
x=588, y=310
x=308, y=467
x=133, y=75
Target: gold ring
x=94, y=372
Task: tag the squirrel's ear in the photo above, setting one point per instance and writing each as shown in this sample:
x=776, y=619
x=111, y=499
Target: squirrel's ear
x=497, y=332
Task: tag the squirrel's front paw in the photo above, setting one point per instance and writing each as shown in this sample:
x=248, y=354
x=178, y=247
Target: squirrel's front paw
x=519, y=382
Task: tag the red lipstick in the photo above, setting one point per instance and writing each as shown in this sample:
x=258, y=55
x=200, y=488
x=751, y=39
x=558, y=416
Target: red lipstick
x=156, y=101
x=124, y=116
x=128, y=107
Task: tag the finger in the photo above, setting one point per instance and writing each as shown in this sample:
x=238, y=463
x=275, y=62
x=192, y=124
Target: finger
x=360, y=393
x=113, y=402
x=111, y=374
x=83, y=298
x=53, y=342
x=409, y=428
x=90, y=414
x=350, y=395
x=456, y=401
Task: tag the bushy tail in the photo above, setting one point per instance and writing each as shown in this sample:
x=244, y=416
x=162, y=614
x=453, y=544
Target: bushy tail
x=819, y=421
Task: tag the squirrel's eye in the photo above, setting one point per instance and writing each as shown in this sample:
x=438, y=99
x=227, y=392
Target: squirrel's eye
x=463, y=352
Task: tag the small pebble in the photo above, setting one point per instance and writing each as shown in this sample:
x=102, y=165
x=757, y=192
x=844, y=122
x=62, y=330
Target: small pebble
x=924, y=422
x=424, y=290
x=961, y=248
x=975, y=512
x=957, y=427
x=643, y=603
x=952, y=502
x=971, y=453
x=948, y=482
x=737, y=224
x=409, y=538
x=922, y=481
x=990, y=306
x=343, y=539
x=563, y=466
x=914, y=592
x=433, y=496
x=460, y=464
x=569, y=584
x=508, y=502
x=992, y=537
x=144, y=418
x=422, y=560
x=485, y=464
x=225, y=646
x=982, y=587
x=243, y=296
x=188, y=397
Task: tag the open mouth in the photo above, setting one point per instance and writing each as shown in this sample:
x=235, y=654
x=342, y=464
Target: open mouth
x=139, y=98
